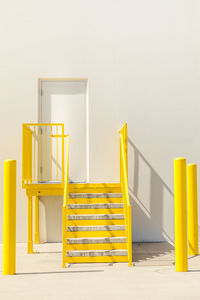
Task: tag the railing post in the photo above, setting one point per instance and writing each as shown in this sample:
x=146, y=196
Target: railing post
x=192, y=209
x=63, y=149
x=37, y=235
x=126, y=147
x=180, y=215
x=30, y=234
x=9, y=218
x=130, y=238
x=64, y=234
x=65, y=203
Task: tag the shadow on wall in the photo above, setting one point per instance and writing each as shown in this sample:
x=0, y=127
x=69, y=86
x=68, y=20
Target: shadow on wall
x=151, y=198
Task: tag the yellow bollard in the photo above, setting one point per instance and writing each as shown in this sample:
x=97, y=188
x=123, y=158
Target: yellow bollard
x=180, y=214
x=9, y=218
x=192, y=209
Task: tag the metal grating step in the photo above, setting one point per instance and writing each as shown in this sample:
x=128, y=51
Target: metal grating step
x=105, y=240
x=83, y=253
x=96, y=217
x=95, y=195
x=95, y=206
x=96, y=228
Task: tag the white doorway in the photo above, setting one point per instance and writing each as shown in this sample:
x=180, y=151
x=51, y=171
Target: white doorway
x=66, y=101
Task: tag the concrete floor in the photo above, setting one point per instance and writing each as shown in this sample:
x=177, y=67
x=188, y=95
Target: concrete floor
x=40, y=276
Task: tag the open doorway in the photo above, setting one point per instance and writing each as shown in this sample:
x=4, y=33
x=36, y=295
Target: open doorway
x=66, y=101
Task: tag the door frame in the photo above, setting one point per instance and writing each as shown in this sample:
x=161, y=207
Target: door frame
x=40, y=80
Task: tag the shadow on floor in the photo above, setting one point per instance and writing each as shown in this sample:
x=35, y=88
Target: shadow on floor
x=153, y=253
x=59, y=272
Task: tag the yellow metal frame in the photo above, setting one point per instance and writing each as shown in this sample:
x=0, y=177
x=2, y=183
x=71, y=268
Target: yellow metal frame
x=193, y=243
x=180, y=215
x=65, y=202
x=34, y=186
x=9, y=218
x=29, y=151
x=124, y=188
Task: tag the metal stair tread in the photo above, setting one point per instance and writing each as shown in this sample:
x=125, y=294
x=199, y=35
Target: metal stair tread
x=95, y=206
x=95, y=195
x=96, y=228
x=96, y=240
x=86, y=253
x=96, y=217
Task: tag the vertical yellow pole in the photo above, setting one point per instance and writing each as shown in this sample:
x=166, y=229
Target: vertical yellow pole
x=63, y=149
x=64, y=216
x=37, y=235
x=30, y=237
x=125, y=146
x=23, y=155
x=34, y=157
x=57, y=153
x=120, y=158
x=45, y=169
x=129, y=237
x=192, y=209
x=180, y=207
x=9, y=218
x=40, y=145
x=51, y=152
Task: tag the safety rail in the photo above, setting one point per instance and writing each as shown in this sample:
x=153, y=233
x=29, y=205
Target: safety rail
x=66, y=195
x=124, y=187
x=42, y=153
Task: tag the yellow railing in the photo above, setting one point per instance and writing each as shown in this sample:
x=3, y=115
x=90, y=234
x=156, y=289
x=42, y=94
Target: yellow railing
x=42, y=153
x=66, y=194
x=124, y=187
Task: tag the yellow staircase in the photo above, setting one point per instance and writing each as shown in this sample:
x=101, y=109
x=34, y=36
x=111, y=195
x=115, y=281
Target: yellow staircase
x=97, y=221
x=95, y=229
x=96, y=217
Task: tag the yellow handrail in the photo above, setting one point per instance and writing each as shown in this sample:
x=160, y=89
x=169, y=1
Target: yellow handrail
x=66, y=183
x=65, y=200
x=37, y=152
x=124, y=187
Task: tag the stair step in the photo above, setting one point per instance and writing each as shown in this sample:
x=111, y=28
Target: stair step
x=101, y=240
x=95, y=195
x=87, y=234
x=109, y=246
x=95, y=206
x=96, y=228
x=96, y=259
x=92, y=253
x=95, y=222
x=93, y=200
x=94, y=211
x=96, y=217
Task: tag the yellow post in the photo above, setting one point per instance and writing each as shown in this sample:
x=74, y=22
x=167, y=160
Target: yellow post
x=192, y=209
x=129, y=237
x=9, y=218
x=64, y=235
x=37, y=235
x=180, y=207
x=30, y=238
x=57, y=153
x=63, y=149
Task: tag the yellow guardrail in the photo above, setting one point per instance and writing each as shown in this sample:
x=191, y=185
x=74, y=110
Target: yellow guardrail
x=42, y=152
x=124, y=187
x=66, y=195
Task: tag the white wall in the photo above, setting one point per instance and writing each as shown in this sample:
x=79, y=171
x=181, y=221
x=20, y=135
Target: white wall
x=142, y=62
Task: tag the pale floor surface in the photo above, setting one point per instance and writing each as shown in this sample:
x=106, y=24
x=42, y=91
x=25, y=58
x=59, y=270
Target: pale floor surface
x=40, y=276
